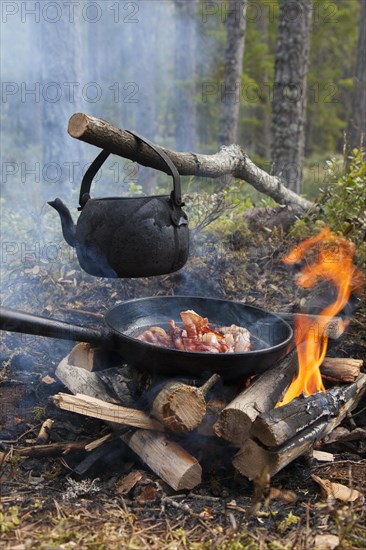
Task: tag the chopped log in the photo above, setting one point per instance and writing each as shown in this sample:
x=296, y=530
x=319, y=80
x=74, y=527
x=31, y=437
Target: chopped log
x=334, y=327
x=230, y=160
x=181, y=407
x=254, y=458
x=44, y=432
x=52, y=449
x=83, y=381
x=96, y=408
x=213, y=408
x=87, y=355
x=166, y=458
x=341, y=369
x=91, y=385
x=236, y=419
x=279, y=425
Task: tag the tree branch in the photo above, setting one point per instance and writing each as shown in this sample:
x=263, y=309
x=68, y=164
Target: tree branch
x=230, y=160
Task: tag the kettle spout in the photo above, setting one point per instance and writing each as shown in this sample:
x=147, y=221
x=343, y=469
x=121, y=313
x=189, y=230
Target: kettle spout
x=67, y=224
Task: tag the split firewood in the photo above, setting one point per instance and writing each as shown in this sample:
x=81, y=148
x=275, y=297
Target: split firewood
x=275, y=427
x=254, y=458
x=230, y=159
x=181, y=407
x=341, y=369
x=44, y=432
x=96, y=408
x=236, y=419
x=166, y=458
x=332, y=327
x=184, y=472
x=86, y=355
x=88, y=383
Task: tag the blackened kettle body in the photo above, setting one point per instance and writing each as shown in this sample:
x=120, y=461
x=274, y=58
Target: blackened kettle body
x=128, y=236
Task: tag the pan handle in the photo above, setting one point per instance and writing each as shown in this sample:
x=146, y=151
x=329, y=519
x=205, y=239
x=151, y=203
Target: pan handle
x=26, y=323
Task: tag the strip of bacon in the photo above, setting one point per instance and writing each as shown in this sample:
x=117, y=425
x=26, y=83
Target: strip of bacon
x=197, y=336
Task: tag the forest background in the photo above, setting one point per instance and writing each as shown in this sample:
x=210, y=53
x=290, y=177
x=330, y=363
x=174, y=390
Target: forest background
x=159, y=67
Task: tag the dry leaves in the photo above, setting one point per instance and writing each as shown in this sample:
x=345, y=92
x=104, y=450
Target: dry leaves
x=326, y=541
x=337, y=491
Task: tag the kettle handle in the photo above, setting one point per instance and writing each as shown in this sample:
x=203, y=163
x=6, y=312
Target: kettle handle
x=102, y=157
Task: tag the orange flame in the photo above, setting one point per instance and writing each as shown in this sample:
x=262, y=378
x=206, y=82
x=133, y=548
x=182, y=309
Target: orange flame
x=333, y=262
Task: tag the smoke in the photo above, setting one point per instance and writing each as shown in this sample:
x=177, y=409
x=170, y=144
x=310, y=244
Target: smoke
x=113, y=60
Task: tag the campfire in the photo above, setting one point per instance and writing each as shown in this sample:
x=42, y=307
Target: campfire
x=220, y=374
x=268, y=419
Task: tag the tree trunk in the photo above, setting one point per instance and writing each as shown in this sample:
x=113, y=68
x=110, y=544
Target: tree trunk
x=230, y=91
x=262, y=111
x=357, y=124
x=185, y=69
x=61, y=85
x=289, y=91
x=145, y=73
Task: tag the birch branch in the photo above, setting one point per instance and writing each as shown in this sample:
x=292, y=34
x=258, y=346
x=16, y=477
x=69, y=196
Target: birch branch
x=229, y=160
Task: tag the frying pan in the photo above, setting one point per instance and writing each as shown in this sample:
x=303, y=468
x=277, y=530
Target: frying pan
x=271, y=336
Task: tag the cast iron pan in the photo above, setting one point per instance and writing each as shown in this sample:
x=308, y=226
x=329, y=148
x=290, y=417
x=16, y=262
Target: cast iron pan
x=271, y=336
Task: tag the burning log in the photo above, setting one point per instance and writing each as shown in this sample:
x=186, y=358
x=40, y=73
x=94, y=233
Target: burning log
x=236, y=419
x=96, y=408
x=229, y=160
x=275, y=427
x=341, y=369
x=181, y=407
x=253, y=458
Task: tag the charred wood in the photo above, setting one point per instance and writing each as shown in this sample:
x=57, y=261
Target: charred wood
x=236, y=419
x=214, y=407
x=279, y=425
x=254, y=458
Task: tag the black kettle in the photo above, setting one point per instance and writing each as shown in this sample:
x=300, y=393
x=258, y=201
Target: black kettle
x=128, y=236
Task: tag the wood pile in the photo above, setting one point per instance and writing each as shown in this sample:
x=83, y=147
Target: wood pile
x=168, y=412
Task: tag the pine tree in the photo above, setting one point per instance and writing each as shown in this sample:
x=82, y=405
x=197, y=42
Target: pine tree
x=289, y=91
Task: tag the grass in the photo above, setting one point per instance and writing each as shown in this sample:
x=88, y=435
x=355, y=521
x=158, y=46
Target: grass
x=114, y=525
